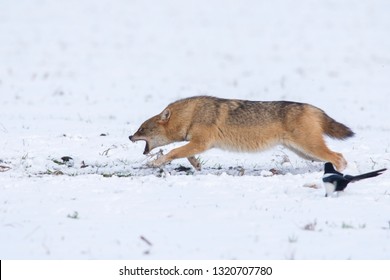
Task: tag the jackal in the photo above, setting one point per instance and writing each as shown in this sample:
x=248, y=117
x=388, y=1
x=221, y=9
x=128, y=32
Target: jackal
x=240, y=125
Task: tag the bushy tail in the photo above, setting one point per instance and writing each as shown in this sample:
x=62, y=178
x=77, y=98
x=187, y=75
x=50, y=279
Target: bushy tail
x=335, y=129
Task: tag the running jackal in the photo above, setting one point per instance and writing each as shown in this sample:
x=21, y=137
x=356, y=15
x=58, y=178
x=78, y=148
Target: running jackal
x=240, y=125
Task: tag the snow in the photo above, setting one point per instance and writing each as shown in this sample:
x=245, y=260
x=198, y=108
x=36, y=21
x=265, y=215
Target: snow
x=78, y=77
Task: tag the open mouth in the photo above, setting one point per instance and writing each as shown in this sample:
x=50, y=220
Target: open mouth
x=147, y=150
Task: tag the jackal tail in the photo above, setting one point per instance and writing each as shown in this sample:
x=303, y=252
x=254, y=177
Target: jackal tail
x=335, y=129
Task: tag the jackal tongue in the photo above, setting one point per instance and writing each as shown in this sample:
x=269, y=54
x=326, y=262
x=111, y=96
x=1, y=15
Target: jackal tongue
x=147, y=150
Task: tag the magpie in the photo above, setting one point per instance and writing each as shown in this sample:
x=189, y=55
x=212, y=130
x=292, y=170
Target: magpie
x=335, y=181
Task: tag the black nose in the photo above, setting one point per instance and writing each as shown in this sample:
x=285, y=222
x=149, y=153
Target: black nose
x=131, y=137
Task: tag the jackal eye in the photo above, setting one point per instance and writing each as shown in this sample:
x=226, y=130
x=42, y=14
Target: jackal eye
x=141, y=130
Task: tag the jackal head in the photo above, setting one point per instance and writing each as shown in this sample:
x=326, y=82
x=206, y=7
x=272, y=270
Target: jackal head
x=153, y=132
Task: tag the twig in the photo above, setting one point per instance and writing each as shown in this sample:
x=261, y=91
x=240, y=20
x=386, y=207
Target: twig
x=4, y=168
x=150, y=155
x=146, y=241
x=5, y=130
x=105, y=152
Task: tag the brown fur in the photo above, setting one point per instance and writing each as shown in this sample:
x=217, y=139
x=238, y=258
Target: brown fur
x=240, y=125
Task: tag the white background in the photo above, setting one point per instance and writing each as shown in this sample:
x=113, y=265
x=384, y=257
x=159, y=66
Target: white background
x=73, y=70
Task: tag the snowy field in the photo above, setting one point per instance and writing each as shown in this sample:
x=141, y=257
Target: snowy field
x=78, y=77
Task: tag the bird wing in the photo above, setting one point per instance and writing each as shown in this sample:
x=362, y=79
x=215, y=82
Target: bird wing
x=339, y=181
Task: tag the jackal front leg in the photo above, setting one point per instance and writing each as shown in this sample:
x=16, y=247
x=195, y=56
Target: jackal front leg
x=187, y=151
x=195, y=163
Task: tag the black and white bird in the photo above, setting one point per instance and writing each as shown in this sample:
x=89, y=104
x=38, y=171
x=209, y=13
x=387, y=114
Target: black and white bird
x=335, y=181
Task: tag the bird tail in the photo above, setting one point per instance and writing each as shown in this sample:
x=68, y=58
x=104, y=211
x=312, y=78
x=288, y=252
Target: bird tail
x=365, y=175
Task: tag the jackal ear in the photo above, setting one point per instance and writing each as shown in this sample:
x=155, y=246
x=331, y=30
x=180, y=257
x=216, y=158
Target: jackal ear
x=165, y=115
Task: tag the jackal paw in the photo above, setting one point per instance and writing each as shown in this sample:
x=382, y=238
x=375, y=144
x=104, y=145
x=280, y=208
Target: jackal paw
x=157, y=163
x=195, y=163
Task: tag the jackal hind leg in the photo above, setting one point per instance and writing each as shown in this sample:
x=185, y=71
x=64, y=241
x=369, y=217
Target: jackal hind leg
x=301, y=154
x=314, y=148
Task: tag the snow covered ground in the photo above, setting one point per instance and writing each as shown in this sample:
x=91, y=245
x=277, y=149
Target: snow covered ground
x=78, y=77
